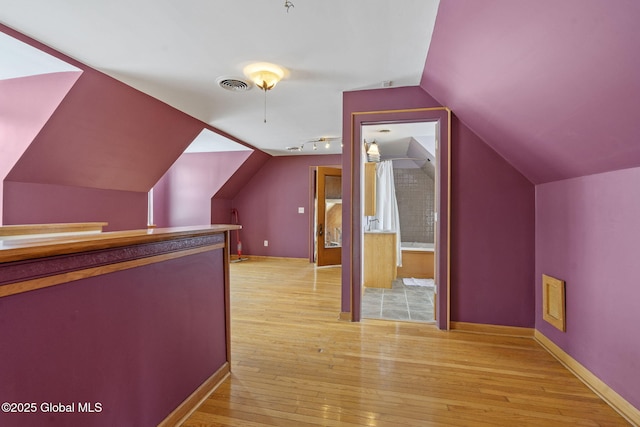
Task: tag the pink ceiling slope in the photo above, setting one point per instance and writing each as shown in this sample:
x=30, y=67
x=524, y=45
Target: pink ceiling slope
x=553, y=86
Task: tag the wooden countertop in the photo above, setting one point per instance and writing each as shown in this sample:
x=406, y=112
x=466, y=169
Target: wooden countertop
x=26, y=229
x=32, y=248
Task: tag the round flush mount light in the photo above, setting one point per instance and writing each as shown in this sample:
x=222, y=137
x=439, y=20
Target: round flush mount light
x=234, y=84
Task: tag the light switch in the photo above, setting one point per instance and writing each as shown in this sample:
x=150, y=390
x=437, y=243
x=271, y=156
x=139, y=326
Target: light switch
x=301, y=210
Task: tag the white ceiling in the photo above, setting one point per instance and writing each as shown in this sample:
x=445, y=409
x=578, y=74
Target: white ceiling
x=19, y=59
x=393, y=139
x=175, y=50
x=208, y=141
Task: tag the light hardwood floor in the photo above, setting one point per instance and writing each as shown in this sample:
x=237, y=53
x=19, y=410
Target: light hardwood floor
x=295, y=364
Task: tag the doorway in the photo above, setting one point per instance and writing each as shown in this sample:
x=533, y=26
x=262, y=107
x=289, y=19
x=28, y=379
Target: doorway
x=353, y=272
x=402, y=186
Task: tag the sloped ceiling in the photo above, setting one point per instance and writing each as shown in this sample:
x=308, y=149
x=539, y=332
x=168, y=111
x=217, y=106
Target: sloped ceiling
x=106, y=135
x=552, y=86
x=175, y=51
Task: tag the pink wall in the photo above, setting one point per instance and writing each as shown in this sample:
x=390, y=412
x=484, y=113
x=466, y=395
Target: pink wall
x=183, y=195
x=492, y=236
x=139, y=341
x=25, y=106
x=27, y=203
x=552, y=86
x=587, y=234
x=240, y=177
x=268, y=206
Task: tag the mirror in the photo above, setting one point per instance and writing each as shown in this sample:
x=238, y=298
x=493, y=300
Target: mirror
x=333, y=212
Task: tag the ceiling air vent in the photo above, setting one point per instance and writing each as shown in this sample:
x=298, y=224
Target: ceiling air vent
x=234, y=84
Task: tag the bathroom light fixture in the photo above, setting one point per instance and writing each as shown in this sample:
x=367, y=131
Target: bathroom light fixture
x=265, y=75
x=373, y=152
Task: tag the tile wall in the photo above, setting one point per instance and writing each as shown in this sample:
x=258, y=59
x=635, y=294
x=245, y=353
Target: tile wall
x=415, y=191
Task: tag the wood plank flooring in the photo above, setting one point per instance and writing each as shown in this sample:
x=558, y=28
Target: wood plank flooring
x=295, y=364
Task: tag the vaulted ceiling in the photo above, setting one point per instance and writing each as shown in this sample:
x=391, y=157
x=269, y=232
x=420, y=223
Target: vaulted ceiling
x=552, y=86
x=175, y=51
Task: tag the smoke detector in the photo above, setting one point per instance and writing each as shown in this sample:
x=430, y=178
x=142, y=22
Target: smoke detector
x=234, y=84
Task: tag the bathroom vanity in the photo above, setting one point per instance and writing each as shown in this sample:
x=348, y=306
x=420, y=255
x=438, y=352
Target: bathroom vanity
x=380, y=259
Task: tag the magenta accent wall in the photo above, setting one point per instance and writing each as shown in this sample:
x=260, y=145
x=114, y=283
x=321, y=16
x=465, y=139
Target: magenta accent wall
x=242, y=175
x=268, y=207
x=183, y=195
x=139, y=341
x=25, y=106
x=27, y=203
x=221, y=203
x=492, y=235
x=552, y=86
x=221, y=211
x=587, y=234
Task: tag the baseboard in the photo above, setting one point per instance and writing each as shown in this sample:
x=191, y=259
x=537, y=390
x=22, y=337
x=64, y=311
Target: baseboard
x=191, y=403
x=606, y=393
x=345, y=315
x=481, y=328
x=234, y=257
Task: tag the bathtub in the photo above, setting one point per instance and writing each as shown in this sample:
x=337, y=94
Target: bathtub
x=417, y=260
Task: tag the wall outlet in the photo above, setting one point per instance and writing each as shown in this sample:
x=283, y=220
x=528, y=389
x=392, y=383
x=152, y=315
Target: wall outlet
x=301, y=210
x=266, y=243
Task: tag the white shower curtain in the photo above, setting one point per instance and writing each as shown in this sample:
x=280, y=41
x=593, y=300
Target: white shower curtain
x=387, y=214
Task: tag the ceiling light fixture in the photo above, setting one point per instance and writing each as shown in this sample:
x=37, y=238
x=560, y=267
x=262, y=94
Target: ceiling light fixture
x=265, y=76
x=325, y=139
x=373, y=153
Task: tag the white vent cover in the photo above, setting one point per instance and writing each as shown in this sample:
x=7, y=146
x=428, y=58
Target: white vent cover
x=234, y=84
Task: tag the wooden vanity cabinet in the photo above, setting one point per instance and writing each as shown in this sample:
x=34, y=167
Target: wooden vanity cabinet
x=379, y=259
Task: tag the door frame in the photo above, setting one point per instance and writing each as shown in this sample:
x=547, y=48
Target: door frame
x=353, y=214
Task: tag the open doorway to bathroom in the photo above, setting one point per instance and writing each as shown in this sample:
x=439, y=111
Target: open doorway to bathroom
x=399, y=221
x=354, y=213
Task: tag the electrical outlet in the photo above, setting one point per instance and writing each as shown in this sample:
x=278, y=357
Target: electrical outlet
x=266, y=243
x=301, y=210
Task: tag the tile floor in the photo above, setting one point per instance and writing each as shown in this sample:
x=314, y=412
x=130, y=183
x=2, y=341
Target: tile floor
x=401, y=302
